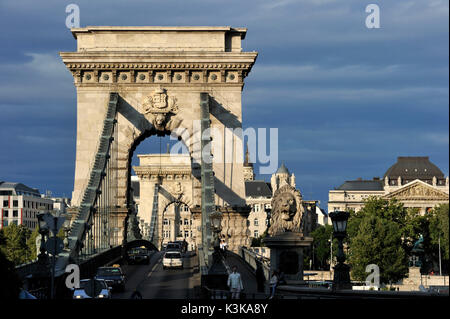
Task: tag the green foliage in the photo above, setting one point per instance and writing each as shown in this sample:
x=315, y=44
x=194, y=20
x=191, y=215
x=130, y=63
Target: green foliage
x=378, y=242
x=14, y=244
x=380, y=234
x=439, y=228
x=258, y=242
x=31, y=243
x=321, y=236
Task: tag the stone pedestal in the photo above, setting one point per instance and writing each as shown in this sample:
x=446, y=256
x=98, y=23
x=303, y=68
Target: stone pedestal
x=286, y=254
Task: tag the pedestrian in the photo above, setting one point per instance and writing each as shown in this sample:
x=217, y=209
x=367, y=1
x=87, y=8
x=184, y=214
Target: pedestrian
x=235, y=283
x=273, y=283
x=260, y=279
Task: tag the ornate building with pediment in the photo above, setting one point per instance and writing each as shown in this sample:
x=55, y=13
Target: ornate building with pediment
x=414, y=181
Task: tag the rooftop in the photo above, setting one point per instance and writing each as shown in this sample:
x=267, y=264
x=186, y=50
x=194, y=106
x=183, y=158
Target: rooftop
x=258, y=188
x=18, y=189
x=414, y=167
x=282, y=170
x=362, y=185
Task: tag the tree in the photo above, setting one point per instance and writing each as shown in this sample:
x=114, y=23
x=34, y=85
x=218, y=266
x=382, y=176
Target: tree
x=439, y=228
x=31, y=243
x=15, y=243
x=378, y=241
x=321, y=236
x=380, y=234
x=258, y=242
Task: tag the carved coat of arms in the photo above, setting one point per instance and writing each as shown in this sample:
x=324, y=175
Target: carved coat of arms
x=177, y=190
x=158, y=107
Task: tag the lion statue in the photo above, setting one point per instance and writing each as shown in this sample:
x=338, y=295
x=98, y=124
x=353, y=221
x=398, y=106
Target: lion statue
x=287, y=211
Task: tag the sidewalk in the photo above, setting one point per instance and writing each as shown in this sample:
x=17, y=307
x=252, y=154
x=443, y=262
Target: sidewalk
x=247, y=275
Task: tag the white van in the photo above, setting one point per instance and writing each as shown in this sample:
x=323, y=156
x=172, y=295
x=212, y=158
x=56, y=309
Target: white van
x=172, y=259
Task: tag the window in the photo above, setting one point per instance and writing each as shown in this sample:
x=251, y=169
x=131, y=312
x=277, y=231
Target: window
x=15, y=213
x=256, y=222
x=5, y=203
x=256, y=234
x=166, y=221
x=5, y=223
x=186, y=221
x=5, y=213
x=15, y=203
x=14, y=222
x=186, y=233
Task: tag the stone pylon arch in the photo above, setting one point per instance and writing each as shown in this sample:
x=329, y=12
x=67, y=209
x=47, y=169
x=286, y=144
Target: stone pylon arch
x=159, y=73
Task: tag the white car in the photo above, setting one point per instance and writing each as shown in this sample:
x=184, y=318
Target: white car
x=92, y=288
x=172, y=259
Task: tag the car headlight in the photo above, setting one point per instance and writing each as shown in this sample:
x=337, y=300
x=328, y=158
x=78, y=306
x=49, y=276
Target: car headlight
x=101, y=296
x=79, y=297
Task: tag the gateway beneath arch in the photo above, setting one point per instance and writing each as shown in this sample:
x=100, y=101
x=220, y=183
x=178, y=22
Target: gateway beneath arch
x=158, y=75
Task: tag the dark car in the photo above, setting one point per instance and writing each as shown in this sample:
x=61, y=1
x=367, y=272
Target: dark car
x=113, y=276
x=138, y=256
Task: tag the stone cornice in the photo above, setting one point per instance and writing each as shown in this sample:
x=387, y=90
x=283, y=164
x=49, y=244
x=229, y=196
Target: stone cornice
x=156, y=171
x=198, y=67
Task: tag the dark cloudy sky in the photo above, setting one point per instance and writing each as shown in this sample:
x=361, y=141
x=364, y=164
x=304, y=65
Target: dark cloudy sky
x=347, y=100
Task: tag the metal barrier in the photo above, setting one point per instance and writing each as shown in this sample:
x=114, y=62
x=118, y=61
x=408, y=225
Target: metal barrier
x=254, y=261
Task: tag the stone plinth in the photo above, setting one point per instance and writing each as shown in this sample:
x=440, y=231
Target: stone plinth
x=286, y=254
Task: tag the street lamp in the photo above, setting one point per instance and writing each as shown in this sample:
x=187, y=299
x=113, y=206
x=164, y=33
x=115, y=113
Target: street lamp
x=216, y=225
x=341, y=271
x=43, y=231
x=217, y=272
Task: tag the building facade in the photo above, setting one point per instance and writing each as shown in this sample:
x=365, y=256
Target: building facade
x=20, y=204
x=414, y=181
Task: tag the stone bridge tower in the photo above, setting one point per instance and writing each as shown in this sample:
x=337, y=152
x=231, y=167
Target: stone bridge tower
x=159, y=73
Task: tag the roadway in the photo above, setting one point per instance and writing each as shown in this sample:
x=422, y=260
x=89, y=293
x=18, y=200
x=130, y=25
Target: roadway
x=153, y=282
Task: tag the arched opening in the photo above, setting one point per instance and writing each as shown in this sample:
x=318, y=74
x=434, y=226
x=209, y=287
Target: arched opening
x=149, y=164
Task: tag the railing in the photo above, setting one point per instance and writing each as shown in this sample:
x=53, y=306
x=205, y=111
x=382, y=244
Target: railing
x=255, y=261
x=225, y=294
